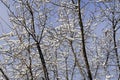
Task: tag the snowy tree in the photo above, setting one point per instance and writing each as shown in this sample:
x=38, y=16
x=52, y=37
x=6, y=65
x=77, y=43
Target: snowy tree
x=60, y=40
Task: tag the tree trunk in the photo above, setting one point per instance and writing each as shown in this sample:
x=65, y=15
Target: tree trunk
x=43, y=62
x=83, y=43
x=116, y=52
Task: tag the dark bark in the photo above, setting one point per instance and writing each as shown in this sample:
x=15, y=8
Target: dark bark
x=38, y=43
x=83, y=42
x=114, y=24
x=116, y=52
x=56, y=67
x=30, y=59
x=5, y=76
x=43, y=61
x=66, y=68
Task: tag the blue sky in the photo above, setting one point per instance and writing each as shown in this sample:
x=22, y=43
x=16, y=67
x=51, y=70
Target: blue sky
x=3, y=16
x=4, y=26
